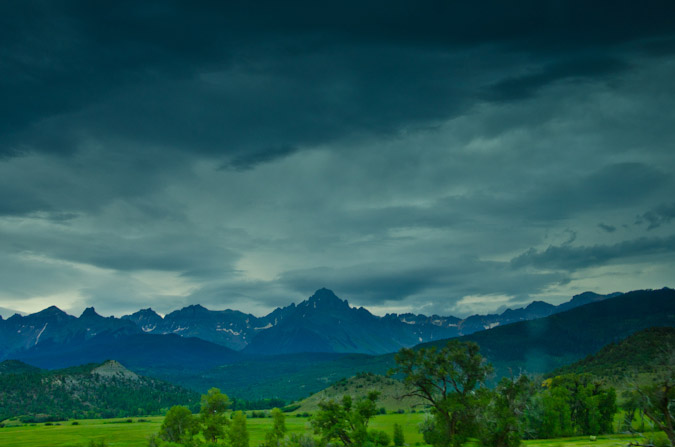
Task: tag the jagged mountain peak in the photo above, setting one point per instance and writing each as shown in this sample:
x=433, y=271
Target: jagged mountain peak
x=143, y=314
x=90, y=312
x=148, y=311
x=51, y=312
x=326, y=298
x=192, y=309
x=539, y=305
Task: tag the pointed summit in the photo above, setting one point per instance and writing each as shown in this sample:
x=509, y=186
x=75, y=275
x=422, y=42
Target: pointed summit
x=146, y=319
x=325, y=298
x=143, y=314
x=193, y=309
x=52, y=312
x=90, y=312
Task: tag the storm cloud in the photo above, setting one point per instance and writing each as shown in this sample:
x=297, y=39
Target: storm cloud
x=409, y=155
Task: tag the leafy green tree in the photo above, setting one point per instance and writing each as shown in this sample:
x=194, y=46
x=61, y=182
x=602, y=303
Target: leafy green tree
x=399, y=439
x=238, y=433
x=345, y=421
x=274, y=437
x=179, y=425
x=592, y=405
x=448, y=379
x=573, y=404
x=550, y=414
x=214, y=404
x=502, y=418
x=657, y=401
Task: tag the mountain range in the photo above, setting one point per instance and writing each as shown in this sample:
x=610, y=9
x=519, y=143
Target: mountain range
x=532, y=346
x=302, y=348
x=322, y=323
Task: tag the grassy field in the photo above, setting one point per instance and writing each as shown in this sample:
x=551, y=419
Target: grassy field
x=114, y=432
x=118, y=433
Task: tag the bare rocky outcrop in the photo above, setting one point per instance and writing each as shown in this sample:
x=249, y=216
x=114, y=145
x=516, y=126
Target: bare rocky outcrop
x=113, y=368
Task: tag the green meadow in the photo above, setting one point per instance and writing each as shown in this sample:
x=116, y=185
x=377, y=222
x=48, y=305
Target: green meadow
x=120, y=433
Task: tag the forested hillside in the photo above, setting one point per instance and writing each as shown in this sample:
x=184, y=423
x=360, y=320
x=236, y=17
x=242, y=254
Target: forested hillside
x=88, y=391
x=642, y=352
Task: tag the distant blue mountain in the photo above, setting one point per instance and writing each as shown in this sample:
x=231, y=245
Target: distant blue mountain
x=322, y=323
x=325, y=323
x=53, y=339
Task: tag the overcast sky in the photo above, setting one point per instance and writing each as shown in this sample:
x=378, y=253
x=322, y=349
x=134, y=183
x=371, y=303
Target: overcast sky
x=434, y=157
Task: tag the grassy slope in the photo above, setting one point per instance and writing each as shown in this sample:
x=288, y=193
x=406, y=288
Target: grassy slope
x=391, y=393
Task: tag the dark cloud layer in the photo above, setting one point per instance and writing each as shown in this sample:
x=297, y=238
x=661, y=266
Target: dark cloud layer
x=427, y=155
x=221, y=77
x=661, y=215
x=571, y=258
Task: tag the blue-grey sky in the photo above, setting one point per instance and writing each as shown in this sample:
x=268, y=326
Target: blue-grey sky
x=433, y=157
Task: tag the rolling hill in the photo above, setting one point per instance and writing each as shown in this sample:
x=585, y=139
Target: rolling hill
x=88, y=391
x=392, y=393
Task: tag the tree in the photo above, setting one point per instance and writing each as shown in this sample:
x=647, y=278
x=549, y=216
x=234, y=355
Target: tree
x=399, y=440
x=503, y=415
x=657, y=401
x=550, y=414
x=345, y=421
x=214, y=404
x=592, y=406
x=448, y=379
x=238, y=432
x=179, y=425
x=572, y=404
x=276, y=435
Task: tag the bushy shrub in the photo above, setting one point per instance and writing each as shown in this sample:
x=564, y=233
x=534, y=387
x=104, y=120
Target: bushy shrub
x=379, y=438
x=660, y=439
